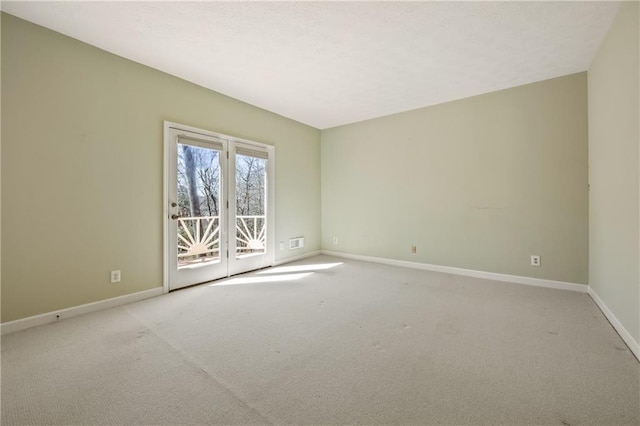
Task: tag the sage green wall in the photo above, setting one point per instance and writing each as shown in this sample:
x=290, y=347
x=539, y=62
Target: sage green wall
x=614, y=214
x=480, y=183
x=82, y=168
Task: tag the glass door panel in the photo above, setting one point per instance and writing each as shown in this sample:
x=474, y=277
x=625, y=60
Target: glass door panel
x=249, y=214
x=198, y=230
x=196, y=233
x=251, y=230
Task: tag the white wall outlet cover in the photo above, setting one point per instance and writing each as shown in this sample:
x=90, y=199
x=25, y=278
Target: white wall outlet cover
x=116, y=276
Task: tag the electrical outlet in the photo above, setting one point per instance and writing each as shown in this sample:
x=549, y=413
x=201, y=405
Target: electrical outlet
x=116, y=276
x=282, y=246
x=535, y=260
x=335, y=240
x=413, y=249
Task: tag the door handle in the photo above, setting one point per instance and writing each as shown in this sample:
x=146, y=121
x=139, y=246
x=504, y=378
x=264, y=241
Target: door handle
x=175, y=217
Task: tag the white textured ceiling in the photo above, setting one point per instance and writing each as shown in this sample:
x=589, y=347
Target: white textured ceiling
x=332, y=63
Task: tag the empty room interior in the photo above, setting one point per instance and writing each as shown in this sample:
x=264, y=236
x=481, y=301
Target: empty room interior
x=320, y=213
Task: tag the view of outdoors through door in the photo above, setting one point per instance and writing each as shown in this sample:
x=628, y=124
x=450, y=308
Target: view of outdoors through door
x=198, y=211
x=250, y=205
x=218, y=206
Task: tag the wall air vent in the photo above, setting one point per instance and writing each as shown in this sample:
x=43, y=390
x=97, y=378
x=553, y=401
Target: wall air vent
x=296, y=243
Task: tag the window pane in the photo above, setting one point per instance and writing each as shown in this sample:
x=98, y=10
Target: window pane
x=198, y=205
x=250, y=205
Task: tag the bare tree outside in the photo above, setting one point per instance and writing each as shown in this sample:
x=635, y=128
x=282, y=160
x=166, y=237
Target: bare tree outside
x=191, y=171
x=198, y=181
x=199, y=186
x=250, y=173
x=198, y=204
x=250, y=204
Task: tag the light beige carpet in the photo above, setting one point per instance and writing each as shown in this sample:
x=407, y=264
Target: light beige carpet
x=354, y=343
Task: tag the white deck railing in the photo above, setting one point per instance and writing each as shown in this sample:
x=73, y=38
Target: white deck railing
x=200, y=236
x=250, y=234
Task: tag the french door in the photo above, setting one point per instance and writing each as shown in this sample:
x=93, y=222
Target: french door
x=218, y=198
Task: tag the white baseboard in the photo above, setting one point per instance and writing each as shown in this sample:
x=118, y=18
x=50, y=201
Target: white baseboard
x=49, y=317
x=293, y=259
x=560, y=285
x=617, y=325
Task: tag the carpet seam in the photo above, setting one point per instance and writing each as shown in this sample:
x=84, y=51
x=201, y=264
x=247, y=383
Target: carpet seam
x=194, y=364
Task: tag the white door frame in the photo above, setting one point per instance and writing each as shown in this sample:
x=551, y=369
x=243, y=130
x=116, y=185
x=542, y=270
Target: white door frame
x=269, y=257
